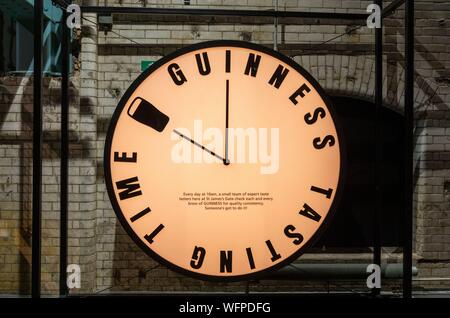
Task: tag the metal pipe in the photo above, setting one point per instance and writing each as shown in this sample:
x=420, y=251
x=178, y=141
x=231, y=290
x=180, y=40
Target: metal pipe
x=64, y=163
x=335, y=271
x=377, y=225
x=409, y=147
x=224, y=12
x=37, y=152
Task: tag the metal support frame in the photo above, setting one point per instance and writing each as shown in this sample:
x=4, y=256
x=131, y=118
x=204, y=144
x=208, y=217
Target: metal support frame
x=64, y=165
x=409, y=148
x=377, y=241
x=37, y=121
x=224, y=12
x=37, y=151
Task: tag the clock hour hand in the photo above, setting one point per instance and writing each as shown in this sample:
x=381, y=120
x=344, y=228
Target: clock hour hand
x=199, y=145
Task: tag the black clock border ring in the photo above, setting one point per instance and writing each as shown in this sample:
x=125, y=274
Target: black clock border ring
x=158, y=64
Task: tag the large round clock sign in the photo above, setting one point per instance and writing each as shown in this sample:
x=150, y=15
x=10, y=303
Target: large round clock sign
x=223, y=160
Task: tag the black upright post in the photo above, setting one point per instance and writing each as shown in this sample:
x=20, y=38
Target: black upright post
x=409, y=128
x=37, y=152
x=64, y=155
x=378, y=142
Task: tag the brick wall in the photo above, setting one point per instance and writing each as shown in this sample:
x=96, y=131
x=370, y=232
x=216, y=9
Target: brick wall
x=109, y=63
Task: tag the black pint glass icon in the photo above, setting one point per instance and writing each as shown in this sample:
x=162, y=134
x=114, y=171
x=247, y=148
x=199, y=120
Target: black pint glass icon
x=144, y=112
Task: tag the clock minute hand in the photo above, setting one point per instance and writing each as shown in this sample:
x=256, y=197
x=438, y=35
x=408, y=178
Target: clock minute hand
x=199, y=145
x=227, y=109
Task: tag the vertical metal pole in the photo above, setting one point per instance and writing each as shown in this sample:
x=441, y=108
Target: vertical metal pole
x=378, y=143
x=409, y=148
x=275, y=34
x=37, y=152
x=64, y=156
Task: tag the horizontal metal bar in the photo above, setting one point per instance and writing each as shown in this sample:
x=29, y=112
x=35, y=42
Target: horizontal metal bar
x=335, y=271
x=224, y=12
x=62, y=3
x=289, y=49
x=180, y=296
x=432, y=279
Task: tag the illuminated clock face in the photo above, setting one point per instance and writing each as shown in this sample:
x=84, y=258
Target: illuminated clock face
x=223, y=160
